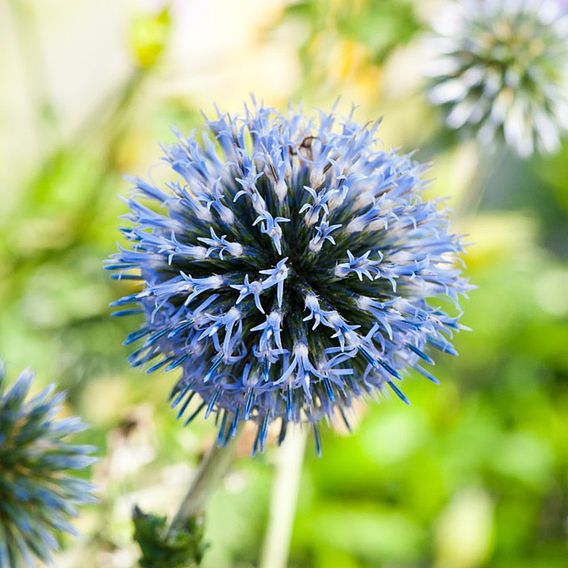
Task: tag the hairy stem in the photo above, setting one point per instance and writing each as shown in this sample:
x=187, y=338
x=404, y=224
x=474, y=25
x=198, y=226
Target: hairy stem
x=211, y=470
x=283, y=503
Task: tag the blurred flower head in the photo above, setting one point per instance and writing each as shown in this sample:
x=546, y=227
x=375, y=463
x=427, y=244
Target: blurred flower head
x=38, y=489
x=500, y=69
x=288, y=270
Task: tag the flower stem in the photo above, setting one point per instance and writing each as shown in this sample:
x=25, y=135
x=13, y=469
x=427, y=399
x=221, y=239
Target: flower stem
x=283, y=504
x=33, y=59
x=211, y=470
x=476, y=175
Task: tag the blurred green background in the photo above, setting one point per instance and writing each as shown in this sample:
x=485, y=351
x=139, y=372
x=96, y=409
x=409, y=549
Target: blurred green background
x=474, y=473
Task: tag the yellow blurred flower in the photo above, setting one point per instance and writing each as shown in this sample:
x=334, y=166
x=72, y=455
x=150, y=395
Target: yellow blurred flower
x=148, y=37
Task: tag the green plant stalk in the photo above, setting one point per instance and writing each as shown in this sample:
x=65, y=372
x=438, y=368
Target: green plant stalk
x=180, y=544
x=210, y=472
x=276, y=546
x=32, y=53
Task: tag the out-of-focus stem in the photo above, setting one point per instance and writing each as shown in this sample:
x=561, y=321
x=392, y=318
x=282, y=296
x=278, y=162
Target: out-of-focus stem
x=210, y=472
x=283, y=504
x=32, y=52
x=471, y=168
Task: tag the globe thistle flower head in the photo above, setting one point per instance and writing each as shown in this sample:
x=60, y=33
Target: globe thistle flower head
x=500, y=69
x=38, y=490
x=287, y=270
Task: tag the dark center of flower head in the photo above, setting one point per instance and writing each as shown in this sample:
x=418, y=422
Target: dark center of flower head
x=287, y=270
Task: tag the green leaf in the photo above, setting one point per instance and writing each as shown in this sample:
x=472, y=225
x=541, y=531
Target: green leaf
x=165, y=548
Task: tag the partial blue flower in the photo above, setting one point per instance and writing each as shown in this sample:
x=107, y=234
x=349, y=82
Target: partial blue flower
x=290, y=268
x=39, y=490
x=500, y=70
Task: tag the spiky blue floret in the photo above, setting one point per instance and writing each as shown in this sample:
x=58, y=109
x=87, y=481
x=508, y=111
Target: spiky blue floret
x=38, y=489
x=288, y=270
x=500, y=69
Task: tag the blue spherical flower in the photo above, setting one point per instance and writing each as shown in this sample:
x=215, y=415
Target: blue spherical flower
x=38, y=490
x=287, y=270
x=500, y=70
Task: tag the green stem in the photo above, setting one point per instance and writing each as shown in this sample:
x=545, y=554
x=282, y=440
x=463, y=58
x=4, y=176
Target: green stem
x=283, y=503
x=32, y=53
x=211, y=470
x=473, y=194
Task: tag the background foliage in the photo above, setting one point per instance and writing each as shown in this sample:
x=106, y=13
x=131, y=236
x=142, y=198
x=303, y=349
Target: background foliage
x=473, y=474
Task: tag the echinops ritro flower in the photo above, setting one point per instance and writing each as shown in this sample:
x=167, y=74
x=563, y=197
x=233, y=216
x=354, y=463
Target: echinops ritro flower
x=39, y=490
x=499, y=68
x=288, y=270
